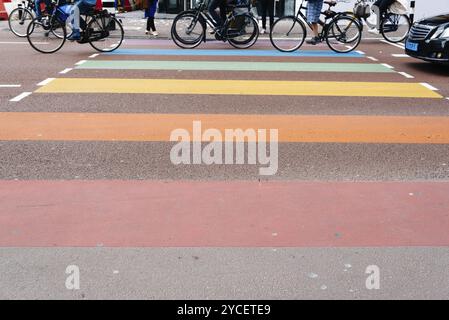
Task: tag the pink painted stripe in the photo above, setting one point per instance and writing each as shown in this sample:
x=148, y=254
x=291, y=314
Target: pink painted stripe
x=223, y=214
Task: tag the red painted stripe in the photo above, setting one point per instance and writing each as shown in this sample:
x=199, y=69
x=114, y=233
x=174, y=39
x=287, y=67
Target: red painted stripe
x=247, y=214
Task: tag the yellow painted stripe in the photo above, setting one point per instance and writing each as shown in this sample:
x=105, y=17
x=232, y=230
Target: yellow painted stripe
x=158, y=127
x=240, y=87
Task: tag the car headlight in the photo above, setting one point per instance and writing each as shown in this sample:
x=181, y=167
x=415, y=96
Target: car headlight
x=442, y=32
x=445, y=33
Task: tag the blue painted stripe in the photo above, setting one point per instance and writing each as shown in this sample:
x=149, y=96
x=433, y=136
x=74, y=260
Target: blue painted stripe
x=232, y=52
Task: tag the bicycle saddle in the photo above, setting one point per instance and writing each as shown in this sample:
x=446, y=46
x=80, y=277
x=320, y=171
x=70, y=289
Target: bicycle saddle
x=331, y=3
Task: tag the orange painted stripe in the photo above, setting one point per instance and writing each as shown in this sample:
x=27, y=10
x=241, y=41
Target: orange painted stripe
x=158, y=127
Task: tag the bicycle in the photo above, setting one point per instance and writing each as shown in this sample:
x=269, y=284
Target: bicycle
x=394, y=26
x=20, y=18
x=99, y=28
x=240, y=29
x=341, y=32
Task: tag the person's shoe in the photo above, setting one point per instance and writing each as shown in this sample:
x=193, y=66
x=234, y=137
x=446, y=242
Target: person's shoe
x=147, y=32
x=314, y=41
x=75, y=36
x=263, y=31
x=154, y=33
x=373, y=31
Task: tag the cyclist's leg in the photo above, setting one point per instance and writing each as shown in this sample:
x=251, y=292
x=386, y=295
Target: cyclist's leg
x=213, y=5
x=75, y=22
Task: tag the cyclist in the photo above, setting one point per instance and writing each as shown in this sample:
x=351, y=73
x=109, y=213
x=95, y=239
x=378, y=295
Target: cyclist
x=80, y=6
x=380, y=7
x=314, y=8
x=218, y=18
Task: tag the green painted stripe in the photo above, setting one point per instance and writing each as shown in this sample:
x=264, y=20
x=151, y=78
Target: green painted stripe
x=234, y=66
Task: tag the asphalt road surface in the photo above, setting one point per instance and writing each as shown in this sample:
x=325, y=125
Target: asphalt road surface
x=362, y=175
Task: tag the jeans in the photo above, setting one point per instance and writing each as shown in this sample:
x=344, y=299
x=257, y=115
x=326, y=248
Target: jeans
x=81, y=6
x=218, y=18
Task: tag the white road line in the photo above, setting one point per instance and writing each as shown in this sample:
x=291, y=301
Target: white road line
x=10, y=85
x=94, y=55
x=397, y=45
x=387, y=66
x=405, y=74
x=66, y=70
x=17, y=42
x=360, y=52
x=45, y=82
x=428, y=86
x=400, y=55
x=80, y=62
x=20, y=96
x=372, y=58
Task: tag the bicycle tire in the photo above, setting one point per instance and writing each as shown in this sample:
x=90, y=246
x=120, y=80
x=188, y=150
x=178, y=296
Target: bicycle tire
x=287, y=23
x=12, y=16
x=183, y=42
x=389, y=18
x=113, y=22
x=341, y=38
x=245, y=44
x=33, y=27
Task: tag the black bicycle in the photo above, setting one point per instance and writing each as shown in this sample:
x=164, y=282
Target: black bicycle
x=20, y=18
x=240, y=28
x=341, y=32
x=102, y=30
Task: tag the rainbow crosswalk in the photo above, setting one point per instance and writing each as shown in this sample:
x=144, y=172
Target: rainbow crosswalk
x=137, y=96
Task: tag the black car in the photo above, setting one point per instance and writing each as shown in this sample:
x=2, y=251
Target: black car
x=429, y=39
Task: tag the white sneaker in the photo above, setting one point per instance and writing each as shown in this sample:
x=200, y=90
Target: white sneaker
x=373, y=31
x=263, y=31
x=154, y=33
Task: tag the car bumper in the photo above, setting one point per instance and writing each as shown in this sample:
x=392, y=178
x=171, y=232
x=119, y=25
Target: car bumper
x=433, y=50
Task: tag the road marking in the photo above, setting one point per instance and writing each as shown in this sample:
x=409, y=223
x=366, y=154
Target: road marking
x=397, y=45
x=232, y=52
x=408, y=76
x=239, y=87
x=373, y=59
x=94, y=55
x=387, y=66
x=10, y=85
x=45, y=82
x=235, y=66
x=368, y=214
x=400, y=55
x=54, y=126
x=80, y=62
x=20, y=96
x=66, y=70
x=17, y=42
x=360, y=52
x=428, y=86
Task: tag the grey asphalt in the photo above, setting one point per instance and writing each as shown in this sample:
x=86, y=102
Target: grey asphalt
x=218, y=273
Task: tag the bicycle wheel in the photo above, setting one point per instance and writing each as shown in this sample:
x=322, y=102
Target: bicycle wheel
x=343, y=34
x=18, y=21
x=105, y=33
x=395, y=27
x=45, y=35
x=242, y=31
x=188, y=30
x=288, y=34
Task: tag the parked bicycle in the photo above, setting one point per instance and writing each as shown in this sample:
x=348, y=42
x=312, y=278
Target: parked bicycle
x=394, y=24
x=99, y=28
x=240, y=29
x=20, y=18
x=341, y=32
